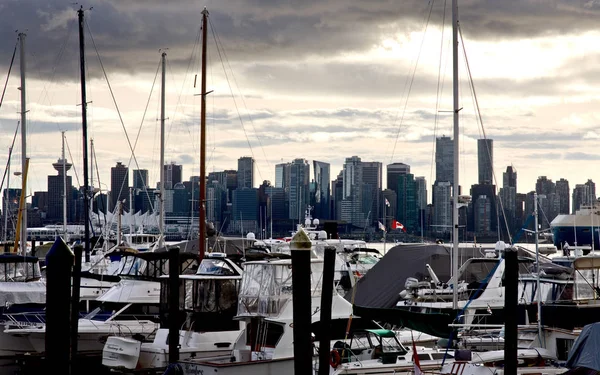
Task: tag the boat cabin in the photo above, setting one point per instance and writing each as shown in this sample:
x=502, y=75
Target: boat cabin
x=15, y=267
x=371, y=344
x=208, y=299
x=151, y=265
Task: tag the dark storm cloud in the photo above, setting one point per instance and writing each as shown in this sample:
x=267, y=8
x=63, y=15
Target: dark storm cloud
x=128, y=34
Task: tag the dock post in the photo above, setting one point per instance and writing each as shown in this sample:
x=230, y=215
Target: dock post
x=59, y=265
x=300, y=247
x=173, y=305
x=326, y=300
x=511, y=292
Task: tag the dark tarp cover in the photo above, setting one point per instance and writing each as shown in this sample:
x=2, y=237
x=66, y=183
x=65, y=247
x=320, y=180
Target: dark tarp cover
x=584, y=352
x=381, y=286
x=376, y=294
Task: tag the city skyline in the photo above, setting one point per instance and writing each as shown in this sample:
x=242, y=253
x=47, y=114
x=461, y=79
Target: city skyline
x=308, y=92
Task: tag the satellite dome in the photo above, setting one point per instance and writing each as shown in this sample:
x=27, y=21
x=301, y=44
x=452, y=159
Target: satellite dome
x=250, y=236
x=322, y=235
x=307, y=221
x=316, y=222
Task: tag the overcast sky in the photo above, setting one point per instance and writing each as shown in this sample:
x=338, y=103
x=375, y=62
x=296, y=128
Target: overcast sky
x=321, y=80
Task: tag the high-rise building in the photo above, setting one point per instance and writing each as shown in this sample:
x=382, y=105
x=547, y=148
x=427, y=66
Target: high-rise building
x=444, y=160
x=407, y=212
x=372, y=179
x=485, y=161
x=393, y=171
x=140, y=179
x=352, y=196
x=299, y=191
x=173, y=175
x=508, y=203
x=442, y=207
x=563, y=192
x=321, y=177
x=583, y=195
x=56, y=193
x=245, y=172
x=421, y=186
x=119, y=185
x=281, y=174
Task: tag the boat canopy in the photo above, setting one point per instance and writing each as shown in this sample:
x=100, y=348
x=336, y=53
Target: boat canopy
x=587, y=262
x=584, y=353
x=382, y=332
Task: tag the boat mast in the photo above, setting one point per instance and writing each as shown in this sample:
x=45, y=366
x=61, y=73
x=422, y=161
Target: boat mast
x=161, y=200
x=86, y=203
x=64, y=171
x=23, y=210
x=202, y=213
x=7, y=200
x=455, y=187
x=537, y=267
x=91, y=208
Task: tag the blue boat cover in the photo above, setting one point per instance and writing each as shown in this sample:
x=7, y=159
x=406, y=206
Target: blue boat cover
x=586, y=348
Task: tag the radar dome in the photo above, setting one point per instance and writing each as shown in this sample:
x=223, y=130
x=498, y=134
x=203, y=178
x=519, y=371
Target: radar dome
x=250, y=236
x=316, y=222
x=307, y=221
x=322, y=235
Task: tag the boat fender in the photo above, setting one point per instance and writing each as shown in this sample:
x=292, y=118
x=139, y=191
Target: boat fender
x=334, y=358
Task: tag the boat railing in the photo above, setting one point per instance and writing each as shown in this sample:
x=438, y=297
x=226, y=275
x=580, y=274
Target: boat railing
x=25, y=319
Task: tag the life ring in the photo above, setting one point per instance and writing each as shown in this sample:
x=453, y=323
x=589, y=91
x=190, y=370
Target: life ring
x=334, y=358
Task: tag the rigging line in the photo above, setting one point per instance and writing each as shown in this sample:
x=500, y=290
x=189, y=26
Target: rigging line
x=440, y=87
x=9, y=156
x=241, y=95
x=233, y=97
x=412, y=79
x=12, y=60
x=59, y=57
x=112, y=95
x=71, y=156
x=140, y=130
x=472, y=84
x=189, y=66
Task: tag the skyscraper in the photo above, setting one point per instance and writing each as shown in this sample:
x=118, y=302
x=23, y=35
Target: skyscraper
x=563, y=192
x=485, y=160
x=393, y=171
x=444, y=160
x=322, y=191
x=140, y=179
x=372, y=177
x=173, y=175
x=299, y=192
x=56, y=192
x=352, y=195
x=119, y=184
x=245, y=172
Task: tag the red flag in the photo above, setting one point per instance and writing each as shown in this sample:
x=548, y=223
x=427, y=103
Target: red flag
x=417, y=370
x=397, y=225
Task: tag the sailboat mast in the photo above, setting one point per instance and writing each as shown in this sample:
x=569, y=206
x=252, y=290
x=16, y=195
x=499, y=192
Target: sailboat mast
x=91, y=208
x=202, y=213
x=7, y=198
x=161, y=200
x=23, y=210
x=455, y=184
x=86, y=202
x=537, y=268
x=64, y=172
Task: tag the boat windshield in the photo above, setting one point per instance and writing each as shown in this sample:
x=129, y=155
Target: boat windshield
x=477, y=270
x=365, y=259
x=131, y=266
x=215, y=267
x=265, y=288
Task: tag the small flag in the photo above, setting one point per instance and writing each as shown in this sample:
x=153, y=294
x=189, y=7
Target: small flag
x=397, y=225
x=381, y=226
x=387, y=203
x=416, y=361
